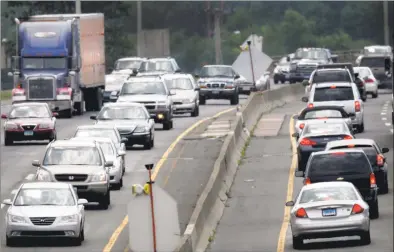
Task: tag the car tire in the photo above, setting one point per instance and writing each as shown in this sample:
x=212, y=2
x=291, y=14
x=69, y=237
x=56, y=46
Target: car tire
x=365, y=238
x=105, y=201
x=68, y=113
x=148, y=145
x=196, y=111
x=118, y=186
x=8, y=140
x=235, y=99
x=276, y=81
x=167, y=125
x=374, y=210
x=298, y=242
x=78, y=241
x=10, y=242
x=385, y=188
x=375, y=95
x=360, y=128
x=202, y=100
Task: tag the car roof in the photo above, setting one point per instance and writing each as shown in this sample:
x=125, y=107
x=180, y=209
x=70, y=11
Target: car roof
x=376, y=56
x=131, y=58
x=144, y=78
x=176, y=75
x=160, y=59
x=335, y=151
x=67, y=143
x=328, y=107
x=30, y=103
x=35, y=185
x=337, y=84
x=328, y=184
x=357, y=141
x=331, y=69
x=218, y=66
x=123, y=104
x=325, y=121
x=97, y=139
x=96, y=126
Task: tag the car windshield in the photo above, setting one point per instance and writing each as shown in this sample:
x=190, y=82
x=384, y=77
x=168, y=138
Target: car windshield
x=322, y=114
x=333, y=94
x=179, y=83
x=110, y=133
x=328, y=193
x=122, y=113
x=45, y=63
x=217, y=71
x=331, y=76
x=112, y=79
x=310, y=54
x=338, y=164
x=362, y=72
x=369, y=150
x=72, y=156
x=30, y=111
x=44, y=196
x=160, y=65
x=372, y=62
x=141, y=88
x=128, y=64
x=107, y=149
x=324, y=128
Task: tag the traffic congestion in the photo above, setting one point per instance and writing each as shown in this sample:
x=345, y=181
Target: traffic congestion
x=144, y=104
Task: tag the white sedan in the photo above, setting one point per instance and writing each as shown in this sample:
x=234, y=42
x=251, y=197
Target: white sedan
x=329, y=209
x=371, y=83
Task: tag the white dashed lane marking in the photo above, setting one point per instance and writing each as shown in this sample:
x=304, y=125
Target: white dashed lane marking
x=384, y=113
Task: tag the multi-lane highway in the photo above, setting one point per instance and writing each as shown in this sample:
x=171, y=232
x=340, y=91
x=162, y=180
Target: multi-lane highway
x=103, y=229
x=255, y=218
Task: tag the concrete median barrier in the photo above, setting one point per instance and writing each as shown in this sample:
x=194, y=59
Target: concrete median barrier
x=212, y=201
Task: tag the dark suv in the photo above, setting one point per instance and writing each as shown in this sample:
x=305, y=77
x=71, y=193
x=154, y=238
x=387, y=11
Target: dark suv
x=378, y=68
x=350, y=165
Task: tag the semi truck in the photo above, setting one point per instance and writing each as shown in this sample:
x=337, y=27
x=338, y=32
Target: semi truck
x=61, y=61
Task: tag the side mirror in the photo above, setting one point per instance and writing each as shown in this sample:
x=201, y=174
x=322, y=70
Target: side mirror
x=305, y=83
x=289, y=203
x=121, y=153
x=10, y=74
x=109, y=163
x=197, y=89
x=178, y=71
x=135, y=72
x=36, y=163
x=299, y=174
x=82, y=201
x=304, y=99
x=288, y=58
x=124, y=140
x=237, y=76
x=172, y=92
x=356, y=75
x=56, y=109
x=55, y=114
x=196, y=76
x=7, y=202
x=385, y=150
x=295, y=134
x=3, y=116
x=93, y=117
x=387, y=64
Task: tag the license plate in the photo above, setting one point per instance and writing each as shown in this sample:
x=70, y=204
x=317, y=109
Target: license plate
x=28, y=133
x=329, y=212
x=215, y=92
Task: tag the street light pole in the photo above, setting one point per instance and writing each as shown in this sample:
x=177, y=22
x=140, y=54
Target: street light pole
x=78, y=7
x=139, y=28
x=386, y=22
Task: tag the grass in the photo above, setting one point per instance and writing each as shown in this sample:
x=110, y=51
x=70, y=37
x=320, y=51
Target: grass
x=5, y=95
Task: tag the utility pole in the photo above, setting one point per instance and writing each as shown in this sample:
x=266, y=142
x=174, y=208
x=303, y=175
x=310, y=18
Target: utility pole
x=386, y=22
x=218, y=13
x=139, y=29
x=78, y=7
x=209, y=18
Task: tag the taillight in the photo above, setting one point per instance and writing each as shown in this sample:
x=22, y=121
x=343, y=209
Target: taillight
x=306, y=141
x=203, y=86
x=380, y=159
x=347, y=137
x=302, y=125
x=357, y=209
x=310, y=105
x=301, y=213
x=372, y=180
x=307, y=181
x=357, y=106
x=18, y=92
x=369, y=81
x=64, y=91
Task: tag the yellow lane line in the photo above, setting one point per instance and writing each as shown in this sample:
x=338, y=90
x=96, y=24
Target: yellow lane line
x=290, y=184
x=114, y=237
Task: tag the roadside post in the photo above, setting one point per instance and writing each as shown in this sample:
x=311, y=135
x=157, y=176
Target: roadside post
x=153, y=218
x=251, y=64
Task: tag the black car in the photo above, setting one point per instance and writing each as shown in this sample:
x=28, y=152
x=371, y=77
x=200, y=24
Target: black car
x=349, y=66
x=132, y=121
x=315, y=136
x=29, y=121
x=374, y=154
x=350, y=165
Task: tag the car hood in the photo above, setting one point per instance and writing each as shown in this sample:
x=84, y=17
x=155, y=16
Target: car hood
x=310, y=62
x=124, y=124
x=152, y=73
x=143, y=98
x=44, y=72
x=122, y=71
x=183, y=94
x=216, y=79
x=73, y=169
x=30, y=120
x=43, y=211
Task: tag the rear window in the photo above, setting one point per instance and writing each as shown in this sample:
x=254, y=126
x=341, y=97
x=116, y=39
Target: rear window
x=328, y=193
x=323, y=113
x=372, y=62
x=370, y=151
x=333, y=94
x=331, y=76
x=340, y=163
x=323, y=128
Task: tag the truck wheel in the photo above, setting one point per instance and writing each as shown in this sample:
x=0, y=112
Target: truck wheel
x=202, y=100
x=68, y=113
x=374, y=209
x=99, y=99
x=105, y=201
x=235, y=99
x=79, y=106
x=167, y=125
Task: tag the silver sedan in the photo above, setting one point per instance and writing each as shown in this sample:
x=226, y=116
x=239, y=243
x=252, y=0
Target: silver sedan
x=45, y=209
x=329, y=209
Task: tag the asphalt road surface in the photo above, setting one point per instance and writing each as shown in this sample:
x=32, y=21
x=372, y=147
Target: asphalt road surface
x=101, y=226
x=254, y=219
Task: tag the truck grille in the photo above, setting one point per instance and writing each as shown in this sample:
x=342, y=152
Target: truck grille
x=216, y=85
x=41, y=89
x=71, y=177
x=42, y=221
x=149, y=105
x=306, y=68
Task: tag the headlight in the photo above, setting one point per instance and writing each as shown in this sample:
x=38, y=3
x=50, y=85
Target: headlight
x=16, y=219
x=43, y=175
x=44, y=126
x=102, y=176
x=11, y=126
x=141, y=129
x=69, y=219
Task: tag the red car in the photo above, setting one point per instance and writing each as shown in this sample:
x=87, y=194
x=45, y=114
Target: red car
x=29, y=121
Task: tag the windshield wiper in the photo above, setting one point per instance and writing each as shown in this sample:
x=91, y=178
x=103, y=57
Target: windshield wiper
x=104, y=119
x=48, y=204
x=148, y=93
